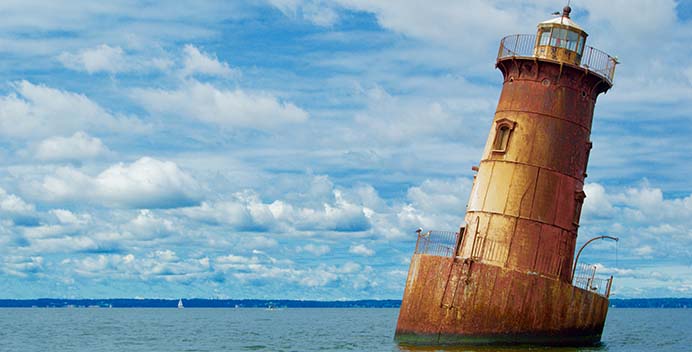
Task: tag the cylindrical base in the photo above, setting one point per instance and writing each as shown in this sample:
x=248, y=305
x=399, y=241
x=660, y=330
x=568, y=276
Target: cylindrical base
x=457, y=302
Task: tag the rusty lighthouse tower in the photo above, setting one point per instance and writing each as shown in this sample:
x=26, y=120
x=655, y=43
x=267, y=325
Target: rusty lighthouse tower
x=507, y=275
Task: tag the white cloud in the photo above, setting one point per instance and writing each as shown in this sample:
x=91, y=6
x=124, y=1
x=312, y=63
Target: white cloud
x=644, y=251
x=315, y=11
x=648, y=224
x=105, y=58
x=248, y=213
x=159, y=265
x=253, y=269
x=244, y=214
x=65, y=244
x=441, y=196
x=69, y=218
x=361, y=249
x=254, y=242
x=101, y=58
x=10, y=203
x=146, y=225
x=145, y=183
x=324, y=210
x=596, y=202
x=16, y=209
x=196, y=62
x=434, y=205
x=79, y=146
x=316, y=249
x=22, y=266
x=233, y=108
x=166, y=265
x=38, y=111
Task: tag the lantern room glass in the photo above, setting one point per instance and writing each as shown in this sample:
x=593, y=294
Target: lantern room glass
x=562, y=38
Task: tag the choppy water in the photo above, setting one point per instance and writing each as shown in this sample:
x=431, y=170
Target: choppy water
x=111, y=330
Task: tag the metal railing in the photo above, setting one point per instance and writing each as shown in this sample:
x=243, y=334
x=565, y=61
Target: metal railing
x=523, y=45
x=585, y=278
x=439, y=243
x=489, y=250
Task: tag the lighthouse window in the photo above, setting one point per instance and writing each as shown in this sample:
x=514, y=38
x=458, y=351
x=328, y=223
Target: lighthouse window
x=545, y=37
x=558, y=38
x=501, y=138
x=572, y=38
x=580, y=46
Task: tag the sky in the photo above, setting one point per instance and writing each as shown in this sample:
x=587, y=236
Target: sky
x=290, y=148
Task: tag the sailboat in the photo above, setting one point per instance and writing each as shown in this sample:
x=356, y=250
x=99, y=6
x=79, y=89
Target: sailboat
x=180, y=304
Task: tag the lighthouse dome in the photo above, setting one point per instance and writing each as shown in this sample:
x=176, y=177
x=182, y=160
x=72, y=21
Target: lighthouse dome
x=562, y=20
x=560, y=39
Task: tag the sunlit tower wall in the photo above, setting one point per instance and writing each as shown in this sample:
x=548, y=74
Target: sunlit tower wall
x=509, y=279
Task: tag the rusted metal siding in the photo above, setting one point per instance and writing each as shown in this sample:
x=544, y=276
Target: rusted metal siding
x=481, y=303
x=525, y=199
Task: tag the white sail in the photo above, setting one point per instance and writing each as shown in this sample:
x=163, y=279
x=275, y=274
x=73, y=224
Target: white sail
x=180, y=304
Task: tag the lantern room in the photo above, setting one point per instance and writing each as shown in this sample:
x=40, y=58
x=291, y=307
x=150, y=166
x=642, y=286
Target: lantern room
x=560, y=39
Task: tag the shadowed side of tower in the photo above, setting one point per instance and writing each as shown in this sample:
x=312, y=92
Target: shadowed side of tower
x=506, y=277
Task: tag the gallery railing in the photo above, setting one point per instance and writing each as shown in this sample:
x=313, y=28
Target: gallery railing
x=486, y=249
x=585, y=278
x=523, y=46
x=439, y=243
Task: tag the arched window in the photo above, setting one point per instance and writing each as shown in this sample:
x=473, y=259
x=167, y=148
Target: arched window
x=501, y=138
x=503, y=131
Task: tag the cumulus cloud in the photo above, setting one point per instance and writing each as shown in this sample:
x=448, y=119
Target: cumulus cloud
x=37, y=110
x=316, y=249
x=22, y=266
x=232, y=108
x=361, y=249
x=323, y=209
x=157, y=265
x=644, y=251
x=101, y=58
x=196, y=62
x=67, y=217
x=167, y=265
x=254, y=242
x=246, y=212
x=147, y=225
x=10, y=203
x=79, y=146
x=105, y=58
x=64, y=244
x=596, y=202
x=16, y=209
x=146, y=183
x=254, y=269
x=435, y=205
x=648, y=224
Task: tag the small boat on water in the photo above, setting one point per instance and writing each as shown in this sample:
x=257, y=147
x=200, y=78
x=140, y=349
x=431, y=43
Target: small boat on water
x=180, y=304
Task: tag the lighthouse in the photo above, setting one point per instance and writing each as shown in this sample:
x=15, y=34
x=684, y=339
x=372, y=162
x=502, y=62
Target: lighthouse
x=507, y=275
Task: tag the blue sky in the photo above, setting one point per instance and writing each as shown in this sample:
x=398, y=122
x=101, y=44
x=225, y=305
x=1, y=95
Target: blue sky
x=289, y=148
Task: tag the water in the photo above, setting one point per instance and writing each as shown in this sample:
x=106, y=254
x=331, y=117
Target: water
x=110, y=330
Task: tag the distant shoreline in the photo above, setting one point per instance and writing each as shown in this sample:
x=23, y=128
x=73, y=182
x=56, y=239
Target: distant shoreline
x=278, y=303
